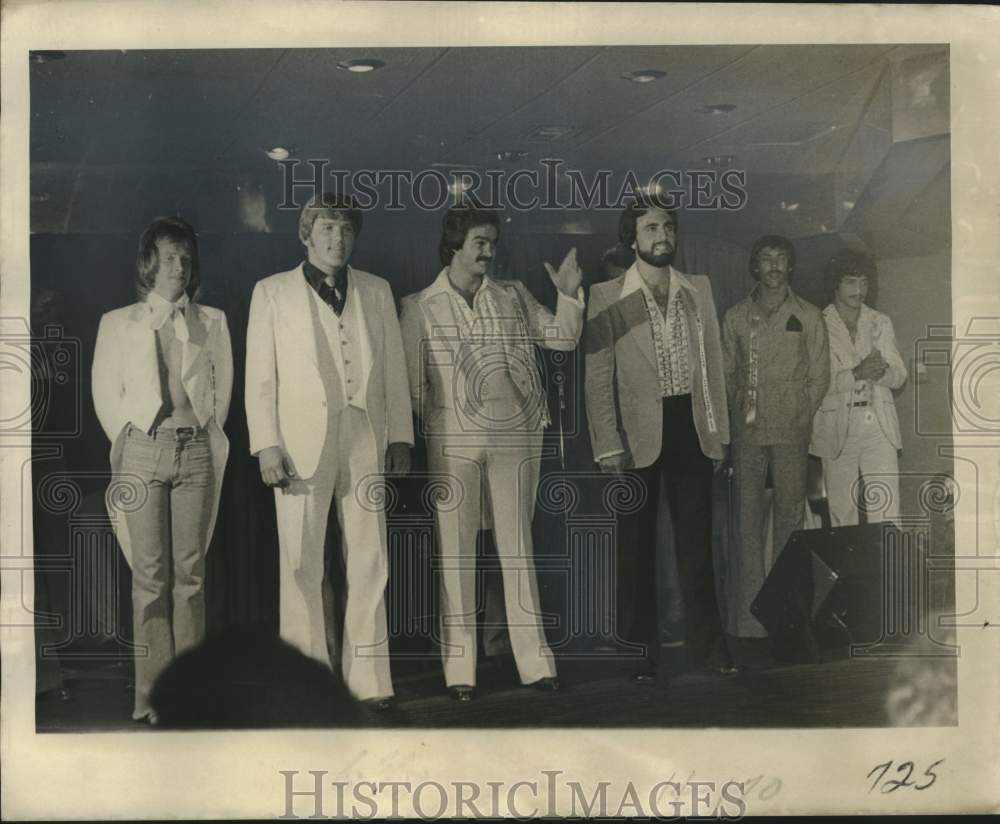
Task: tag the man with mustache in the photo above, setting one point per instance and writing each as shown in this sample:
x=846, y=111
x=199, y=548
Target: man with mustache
x=777, y=372
x=656, y=404
x=328, y=413
x=856, y=430
x=475, y=385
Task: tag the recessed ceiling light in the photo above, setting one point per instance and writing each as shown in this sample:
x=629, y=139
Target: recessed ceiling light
x=360, y=65
x=278, y=153
x=644, y=75
x=719, y=160
x=718, y=108
x=512, y=154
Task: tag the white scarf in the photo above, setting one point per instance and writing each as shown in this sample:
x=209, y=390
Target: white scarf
x=161, y=309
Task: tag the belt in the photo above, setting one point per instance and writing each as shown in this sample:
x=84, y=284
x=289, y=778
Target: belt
x=179, y=433
x=860, y=403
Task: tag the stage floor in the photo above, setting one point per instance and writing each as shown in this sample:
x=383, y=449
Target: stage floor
x=844, y=693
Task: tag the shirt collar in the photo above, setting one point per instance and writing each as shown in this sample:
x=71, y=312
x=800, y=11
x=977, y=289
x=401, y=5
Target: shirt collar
x=315, y=276
x=157, y=302
x=634, y=281
x=790, y=298
x=442, y=285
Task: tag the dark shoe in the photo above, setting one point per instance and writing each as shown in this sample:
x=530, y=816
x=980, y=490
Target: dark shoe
x=150, y=718
x=549, y=684
x=462, y=693
x=383, y=704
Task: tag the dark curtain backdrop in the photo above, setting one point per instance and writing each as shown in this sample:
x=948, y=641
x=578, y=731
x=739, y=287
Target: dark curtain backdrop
x=94, y=273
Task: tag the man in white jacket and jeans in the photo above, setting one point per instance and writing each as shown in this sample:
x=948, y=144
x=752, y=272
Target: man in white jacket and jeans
x=856, y=431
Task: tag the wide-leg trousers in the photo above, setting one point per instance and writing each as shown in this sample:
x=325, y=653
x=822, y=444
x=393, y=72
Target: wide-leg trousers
x=869, y=453
x=753, y=557
x=509, y=466
x=348, y=475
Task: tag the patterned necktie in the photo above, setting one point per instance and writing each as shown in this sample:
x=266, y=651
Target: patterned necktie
x=335, y=296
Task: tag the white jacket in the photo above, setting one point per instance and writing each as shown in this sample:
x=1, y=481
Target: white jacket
x=126, y=389
x=286, y=402
x=833, y=417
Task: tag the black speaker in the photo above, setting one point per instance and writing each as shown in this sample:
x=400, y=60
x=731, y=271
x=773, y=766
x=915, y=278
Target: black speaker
x=825, y=592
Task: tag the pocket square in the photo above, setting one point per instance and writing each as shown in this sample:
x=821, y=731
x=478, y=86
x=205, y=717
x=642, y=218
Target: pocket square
x=793, y=325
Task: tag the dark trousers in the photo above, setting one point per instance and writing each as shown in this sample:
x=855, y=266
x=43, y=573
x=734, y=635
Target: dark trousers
x=685, y=475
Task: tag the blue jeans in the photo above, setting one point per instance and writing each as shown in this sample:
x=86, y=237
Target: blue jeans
x=169, y=535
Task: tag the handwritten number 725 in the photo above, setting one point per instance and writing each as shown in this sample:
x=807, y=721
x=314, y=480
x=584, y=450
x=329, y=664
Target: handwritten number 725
x=905, y=772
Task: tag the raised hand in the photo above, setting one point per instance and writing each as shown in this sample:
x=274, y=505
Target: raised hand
x=568, y=276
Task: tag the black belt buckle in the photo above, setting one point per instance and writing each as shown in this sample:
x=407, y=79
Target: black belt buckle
x=184, y=433
x=860, y=403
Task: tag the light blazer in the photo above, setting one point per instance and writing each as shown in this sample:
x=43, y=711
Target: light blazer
x=431, y=335
x=622, y=387
x=286, y=401
x=831, y=421
x=126, y=388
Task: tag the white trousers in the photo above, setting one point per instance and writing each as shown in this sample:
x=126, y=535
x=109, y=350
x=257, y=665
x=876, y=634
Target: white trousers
x=349, y=476
x=509, y=468
x=867, y=451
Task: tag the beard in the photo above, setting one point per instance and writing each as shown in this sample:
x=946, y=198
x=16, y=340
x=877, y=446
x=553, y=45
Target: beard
x=657, y=260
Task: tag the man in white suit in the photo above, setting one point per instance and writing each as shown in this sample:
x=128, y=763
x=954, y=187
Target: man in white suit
x=328, y=413
x=856, y=430
x=476, y=388
x=162, y=380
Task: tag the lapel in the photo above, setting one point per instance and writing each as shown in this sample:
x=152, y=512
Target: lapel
x=840, y=339
x=364, y=311
x=641, y=333
x=296, y=312
x=141, y=344
x=194, y=347
x=437, y=302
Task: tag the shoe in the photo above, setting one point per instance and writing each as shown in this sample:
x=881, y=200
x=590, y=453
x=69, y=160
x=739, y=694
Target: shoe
x=720, y=665
x=150, y=718
x=549, y=684
x=463, y=693
x=379, y=704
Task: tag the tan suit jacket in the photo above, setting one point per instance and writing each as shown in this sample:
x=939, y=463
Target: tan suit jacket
x=624, y=400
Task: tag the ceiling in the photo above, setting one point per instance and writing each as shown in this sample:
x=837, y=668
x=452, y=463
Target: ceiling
x=115, y=135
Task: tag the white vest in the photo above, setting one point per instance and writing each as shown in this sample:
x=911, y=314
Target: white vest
x=349, y=347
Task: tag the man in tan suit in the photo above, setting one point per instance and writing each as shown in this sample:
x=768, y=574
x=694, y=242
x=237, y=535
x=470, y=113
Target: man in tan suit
x=656, y=405
x=475, y=385
x=328, y=412
x=777, y=372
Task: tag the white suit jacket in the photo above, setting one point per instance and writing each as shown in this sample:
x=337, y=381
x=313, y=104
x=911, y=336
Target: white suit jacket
x=126, y=389
x=431, y=333
x=286, y=397
x=833, y=417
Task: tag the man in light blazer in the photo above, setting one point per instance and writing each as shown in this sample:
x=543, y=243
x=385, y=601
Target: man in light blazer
x=856, y=430
x=656, y=405
x=328, y=413
x=162, y=380
x=470, y=347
